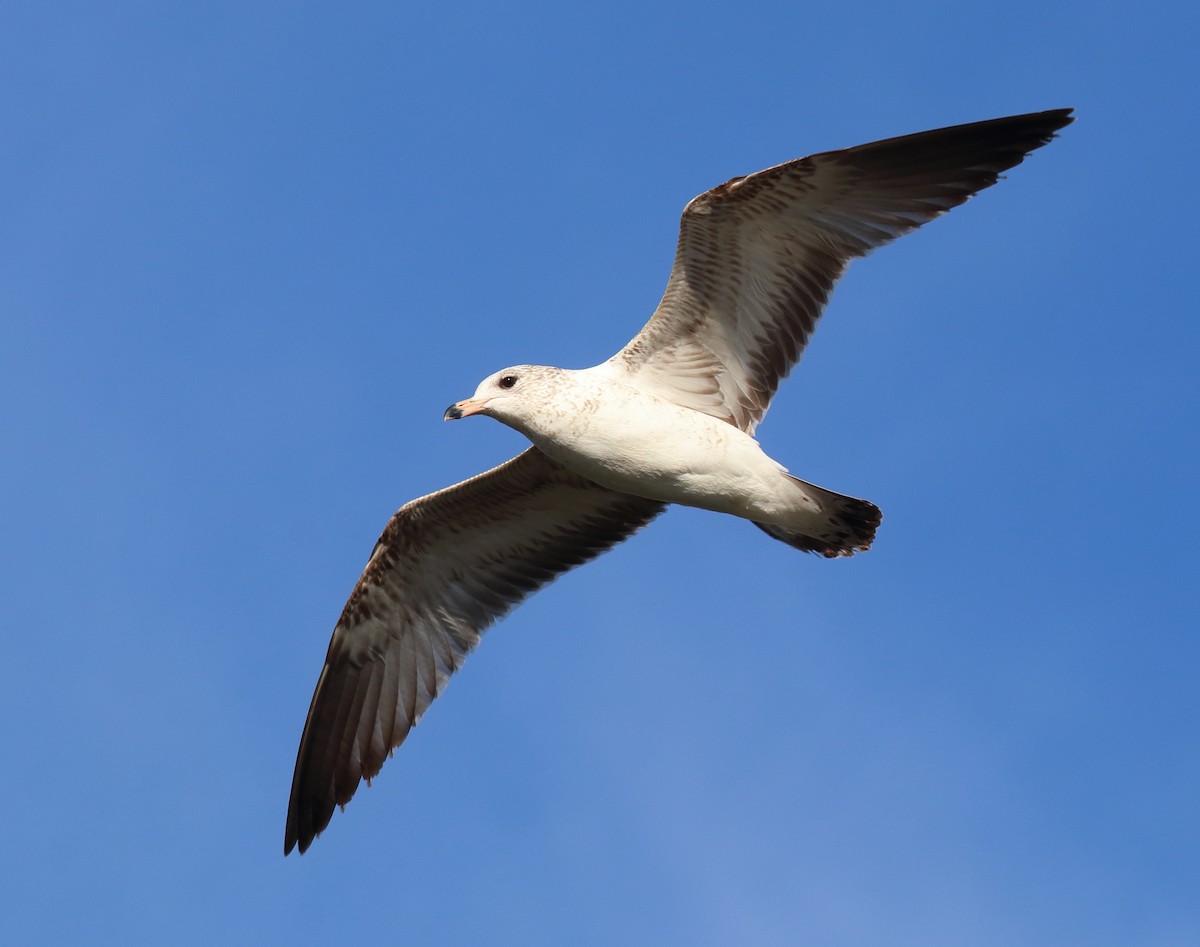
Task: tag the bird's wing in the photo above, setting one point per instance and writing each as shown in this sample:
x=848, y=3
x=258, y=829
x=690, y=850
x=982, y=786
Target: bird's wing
x=446, y=567
x=759, y=255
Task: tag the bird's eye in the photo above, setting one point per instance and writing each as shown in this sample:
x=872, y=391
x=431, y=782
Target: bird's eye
x=507, y=381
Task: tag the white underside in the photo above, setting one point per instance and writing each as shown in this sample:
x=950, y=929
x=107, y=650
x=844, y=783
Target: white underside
x=631, y=441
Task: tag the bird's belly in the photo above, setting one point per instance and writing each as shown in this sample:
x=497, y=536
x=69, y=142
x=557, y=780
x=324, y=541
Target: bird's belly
x=674, y=455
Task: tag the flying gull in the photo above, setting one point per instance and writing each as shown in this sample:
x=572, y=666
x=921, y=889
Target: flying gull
x=669, y=419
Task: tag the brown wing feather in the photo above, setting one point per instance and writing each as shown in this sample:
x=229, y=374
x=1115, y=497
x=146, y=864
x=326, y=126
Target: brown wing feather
x=759, y=255
x=446, y=567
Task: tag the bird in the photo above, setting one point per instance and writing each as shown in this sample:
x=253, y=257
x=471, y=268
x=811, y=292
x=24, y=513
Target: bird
x=670, y=418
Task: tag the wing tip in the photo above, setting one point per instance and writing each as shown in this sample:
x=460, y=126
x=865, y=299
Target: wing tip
x=306, y=820
x=301, y=828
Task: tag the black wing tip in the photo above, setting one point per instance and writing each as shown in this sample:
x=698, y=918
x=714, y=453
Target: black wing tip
x=1065, y=115
x=1062, y=116
x=1042, y=126
x=310, y=814
x=291, y=842
x=1024, y=134
x=1047, y=121
x=1012, y=135
x=1057, y=117
x=303, y=829
x=294, y=836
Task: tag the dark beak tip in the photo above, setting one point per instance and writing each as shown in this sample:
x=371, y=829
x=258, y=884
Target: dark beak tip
x=453, y=413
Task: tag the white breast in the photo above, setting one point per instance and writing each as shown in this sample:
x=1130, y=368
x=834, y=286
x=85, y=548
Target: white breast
x=638, y=443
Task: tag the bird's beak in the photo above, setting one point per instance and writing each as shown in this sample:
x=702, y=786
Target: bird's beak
x=463, y=409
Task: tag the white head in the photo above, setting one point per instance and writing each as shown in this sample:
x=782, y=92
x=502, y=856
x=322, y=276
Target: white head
x=514, y=396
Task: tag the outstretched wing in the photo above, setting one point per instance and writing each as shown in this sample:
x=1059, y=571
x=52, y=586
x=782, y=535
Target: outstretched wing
x=758, y=256
x=445, y=568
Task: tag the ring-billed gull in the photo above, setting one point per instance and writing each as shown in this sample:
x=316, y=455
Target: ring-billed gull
x=668, y=419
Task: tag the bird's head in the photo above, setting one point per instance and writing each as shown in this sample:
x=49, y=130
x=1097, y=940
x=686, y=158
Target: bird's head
x=512, y=395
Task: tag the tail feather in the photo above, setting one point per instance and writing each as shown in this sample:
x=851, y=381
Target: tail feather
x=845, y=525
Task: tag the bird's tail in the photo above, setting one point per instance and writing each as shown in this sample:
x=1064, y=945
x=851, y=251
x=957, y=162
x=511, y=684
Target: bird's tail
x=843, y=526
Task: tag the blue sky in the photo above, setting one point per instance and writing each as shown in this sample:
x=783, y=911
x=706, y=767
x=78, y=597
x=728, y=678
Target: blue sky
x=250, y=251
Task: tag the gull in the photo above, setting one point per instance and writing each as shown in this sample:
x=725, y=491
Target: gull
x=669, y=419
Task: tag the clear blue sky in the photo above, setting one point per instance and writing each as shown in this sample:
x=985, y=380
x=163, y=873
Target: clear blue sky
x=250, y=251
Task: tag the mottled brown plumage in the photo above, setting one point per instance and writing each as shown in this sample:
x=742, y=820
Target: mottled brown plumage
x=758, y=255
x=446, y=567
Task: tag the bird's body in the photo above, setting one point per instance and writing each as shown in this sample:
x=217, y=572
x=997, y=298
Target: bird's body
x=608, y=429
x=669, y=419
